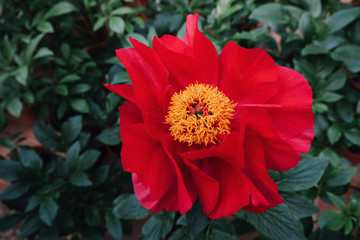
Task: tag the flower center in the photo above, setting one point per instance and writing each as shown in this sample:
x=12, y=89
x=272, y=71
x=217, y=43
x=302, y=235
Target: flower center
x=199, y=114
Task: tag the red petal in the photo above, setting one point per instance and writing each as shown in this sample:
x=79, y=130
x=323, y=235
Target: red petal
x=265, y=193
x=234, y=187
x=247, y=75
x=183, y=67
x=207, y=188
x=203, y=48
x=124, y=90
x=180, y=199
x=149, y=78
x=224, y=150
x=294, y=120
x=140, y=154
x=129, y=114
x=279, y=155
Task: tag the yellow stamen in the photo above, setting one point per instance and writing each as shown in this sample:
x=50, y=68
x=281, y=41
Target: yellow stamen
x=199, y=114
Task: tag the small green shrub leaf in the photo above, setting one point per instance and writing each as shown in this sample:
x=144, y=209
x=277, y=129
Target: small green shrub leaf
x=305, y=175
x=48, y=211
x=127, y=206
x=158, y=225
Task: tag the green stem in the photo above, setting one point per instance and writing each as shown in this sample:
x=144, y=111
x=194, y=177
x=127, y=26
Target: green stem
x=208, y=229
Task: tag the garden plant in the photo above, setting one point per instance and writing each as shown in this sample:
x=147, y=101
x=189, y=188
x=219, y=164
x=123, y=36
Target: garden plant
x=300, y=61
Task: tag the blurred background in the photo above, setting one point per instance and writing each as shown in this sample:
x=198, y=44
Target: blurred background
x=60, y=167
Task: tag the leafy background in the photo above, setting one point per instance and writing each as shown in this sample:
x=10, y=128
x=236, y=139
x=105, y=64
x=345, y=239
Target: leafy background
x=54, y=57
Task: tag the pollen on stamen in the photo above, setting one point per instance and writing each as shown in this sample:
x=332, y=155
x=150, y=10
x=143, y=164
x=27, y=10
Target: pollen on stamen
x=198, y=114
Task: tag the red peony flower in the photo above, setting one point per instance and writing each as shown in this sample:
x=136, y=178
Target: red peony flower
x=198, y=125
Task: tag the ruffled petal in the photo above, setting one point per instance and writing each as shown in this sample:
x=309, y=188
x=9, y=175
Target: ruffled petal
x=294, y=120
x=234, y=187
x=203, y=48
x=247, y=75
x=139, y=152
x=279, y=155
x=149, y=77
x=265, y=193
x=207, y=188
x=124, y=90
x=193, y=59
x=183, y=67
x=224, y=150
x=182, y=195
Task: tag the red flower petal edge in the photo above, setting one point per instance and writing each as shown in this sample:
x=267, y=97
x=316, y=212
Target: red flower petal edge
x=179, y=143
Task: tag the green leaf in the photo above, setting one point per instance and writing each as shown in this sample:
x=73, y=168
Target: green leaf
x=14, y=106
x=113, y=225
x=79, y=105
x=158, y=226
x=92, y=216
x=127, y=206
x=349, y=55
x=341, y=176
x=307, y=26
x=117, y=24
x=61, y=90
x=71, y=129
x=300, y=205
x=9, y=221
x=21, y=75
x=345, y=111
x=14, y=191
x=45, y=27
x=34, y=201
x=196, y=219
x=48, y=211
x=7, y=49
x=137, y=37
x=70, y=78
x=100, y=175
x=332, y=220
x=336, y=81
x=43, y=52
x=80, y=88
x=223, y=230
x=353, y=135
x=329, y=97
x=125, y=10
x=30, y=227
x=337, y=201
x=313, y=48
x=60, y=8
x=314, y=7
x=348, y=226
x=30, y=159
x=10, y=170
x=30, y=48
x=110, y=136
x=80, y=179
x=305, y=175
x=334, y=133
x=99, y=23
x=8, y=143
x=61, y=109
x=342, y=18
x=72, y=156
x=272, y=13
x=46, y=136
x=87, y=159
x=277, y=223
x=320, y=107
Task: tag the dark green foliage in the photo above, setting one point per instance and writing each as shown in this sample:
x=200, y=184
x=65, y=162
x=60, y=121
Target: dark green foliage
x=54, y=58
